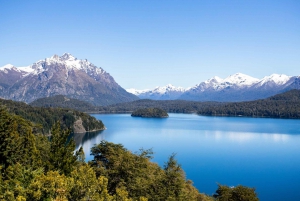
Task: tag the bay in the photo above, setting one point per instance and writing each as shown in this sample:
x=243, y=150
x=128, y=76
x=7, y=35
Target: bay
x=256, y=152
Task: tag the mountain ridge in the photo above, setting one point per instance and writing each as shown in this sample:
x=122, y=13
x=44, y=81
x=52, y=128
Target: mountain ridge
x=61, y=75
x=236, y=87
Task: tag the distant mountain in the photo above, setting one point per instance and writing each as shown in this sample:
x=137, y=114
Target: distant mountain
x=61, y=101
x=241, y=87
x=237, y=87
x=168, y=92
x=284, y=105
x=61, y=75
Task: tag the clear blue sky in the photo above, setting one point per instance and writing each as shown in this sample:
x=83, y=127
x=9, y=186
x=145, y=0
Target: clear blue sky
x=143, y=44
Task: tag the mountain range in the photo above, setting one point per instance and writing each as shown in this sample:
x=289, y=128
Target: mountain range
x=82, y=80
x=237, y=87
x=61, y=75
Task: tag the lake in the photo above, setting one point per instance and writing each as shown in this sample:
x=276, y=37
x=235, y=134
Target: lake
x=255, y=152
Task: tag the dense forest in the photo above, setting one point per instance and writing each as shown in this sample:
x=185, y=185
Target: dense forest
x=174, y=106
x=61, y=101
x=170, y=106
x=285, y=105
x=34, y=168
x=150, y=112
x=46, y=117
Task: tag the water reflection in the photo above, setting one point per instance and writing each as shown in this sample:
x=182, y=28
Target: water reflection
x=87, y=140
x=246, y=137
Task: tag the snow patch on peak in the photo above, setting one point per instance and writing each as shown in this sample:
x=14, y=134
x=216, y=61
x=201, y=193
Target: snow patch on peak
x=136, y=91
x=276, y=78
x=240, y=79
x=7, y=66
x=214, y=79
x=67, y=56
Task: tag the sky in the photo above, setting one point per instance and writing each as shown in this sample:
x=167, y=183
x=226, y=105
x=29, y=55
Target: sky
x=144, y=44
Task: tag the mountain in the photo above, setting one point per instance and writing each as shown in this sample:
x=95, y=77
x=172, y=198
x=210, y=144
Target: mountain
x=61, y=101
x=241, y=87
x=168, y=92
x=236, y=87
x=61, y=75
x=283, y=105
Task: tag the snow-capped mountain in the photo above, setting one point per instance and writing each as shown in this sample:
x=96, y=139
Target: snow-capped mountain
x=168, y=92
x=240, y=87
x=65, y=75
x=236, y=87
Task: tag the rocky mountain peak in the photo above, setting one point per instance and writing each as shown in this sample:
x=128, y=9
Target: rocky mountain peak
x=68, y=56
x=64, y=75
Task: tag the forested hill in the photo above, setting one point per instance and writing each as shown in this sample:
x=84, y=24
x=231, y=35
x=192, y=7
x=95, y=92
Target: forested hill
x=173, y=106
x=46, y=117
x=285, y=105
x=61, y=101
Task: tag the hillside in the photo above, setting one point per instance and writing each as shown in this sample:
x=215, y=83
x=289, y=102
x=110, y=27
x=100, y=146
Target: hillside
x=60, y=101
x=173, y=106
x=285, y=105
x=46, y=117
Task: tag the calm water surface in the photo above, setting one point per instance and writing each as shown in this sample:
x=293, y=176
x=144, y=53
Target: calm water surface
x=255, y=152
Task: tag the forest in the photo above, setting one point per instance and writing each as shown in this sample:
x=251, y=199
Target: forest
x=150, y=112
x=284, y=105
x=36, y=167
x=45, y=117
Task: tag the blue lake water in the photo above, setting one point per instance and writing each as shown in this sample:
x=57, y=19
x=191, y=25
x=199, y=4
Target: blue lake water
x=255, y=152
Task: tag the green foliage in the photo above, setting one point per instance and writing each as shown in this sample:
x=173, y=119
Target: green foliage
x=173, y=106
x=286, y=105
x=238, y=193
x=150, y=112
x=60, y=101
x=36, y=168
x=17, y=142
x=139, y=176
x=47, y=117
x=61, y=154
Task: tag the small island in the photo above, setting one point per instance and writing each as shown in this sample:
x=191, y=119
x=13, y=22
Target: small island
x=150, y=112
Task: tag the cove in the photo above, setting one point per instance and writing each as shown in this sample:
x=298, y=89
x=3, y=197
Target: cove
x=255, y=152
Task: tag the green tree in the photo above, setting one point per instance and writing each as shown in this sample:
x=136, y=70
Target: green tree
x=87, y=186
x=61, y=154
x=238, y=193
x=17, y=142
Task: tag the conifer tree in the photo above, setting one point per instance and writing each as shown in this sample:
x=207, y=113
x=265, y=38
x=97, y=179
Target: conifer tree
x=61, y=154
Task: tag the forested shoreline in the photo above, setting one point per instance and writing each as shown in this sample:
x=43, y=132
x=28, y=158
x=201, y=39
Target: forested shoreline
x=285, y=105
x=45, y=117
x=33, y=167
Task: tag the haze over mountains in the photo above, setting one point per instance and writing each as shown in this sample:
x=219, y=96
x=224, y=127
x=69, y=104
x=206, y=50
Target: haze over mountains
x=237, y=87
x=61, y=75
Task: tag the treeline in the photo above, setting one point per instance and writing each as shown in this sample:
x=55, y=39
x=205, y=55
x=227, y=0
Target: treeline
x=172, y=106
x=285, y=105
x=34, y=168
x=46, y=117
x=150, y=112
x=61, y=101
